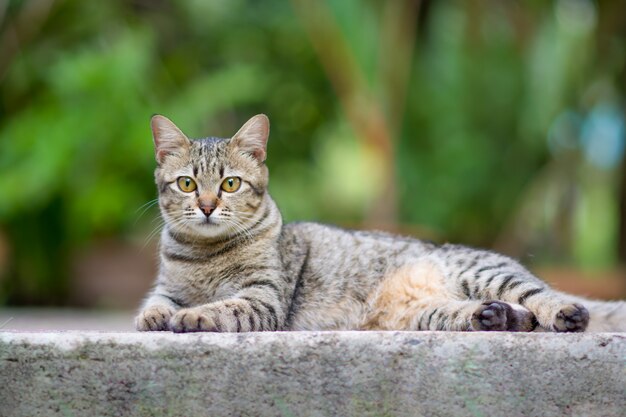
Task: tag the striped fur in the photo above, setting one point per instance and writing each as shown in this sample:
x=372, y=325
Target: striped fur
x=240, y=269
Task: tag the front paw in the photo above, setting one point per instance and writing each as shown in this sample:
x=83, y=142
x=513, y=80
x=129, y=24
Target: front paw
x=571, y=318
x=194, y=320
x=154, y=318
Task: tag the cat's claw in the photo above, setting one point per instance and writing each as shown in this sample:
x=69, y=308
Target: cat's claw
x=571, y=318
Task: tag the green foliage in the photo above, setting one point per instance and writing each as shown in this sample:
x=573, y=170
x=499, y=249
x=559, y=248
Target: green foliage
x=76, y=156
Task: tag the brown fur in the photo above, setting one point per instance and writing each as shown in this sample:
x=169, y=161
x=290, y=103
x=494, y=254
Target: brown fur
x=402, y=294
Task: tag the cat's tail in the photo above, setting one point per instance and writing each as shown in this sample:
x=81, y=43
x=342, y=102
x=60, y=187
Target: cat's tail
x=606, y=316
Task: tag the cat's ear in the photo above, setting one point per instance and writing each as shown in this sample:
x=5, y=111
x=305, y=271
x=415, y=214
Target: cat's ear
x=252, y=137
x=168, y=139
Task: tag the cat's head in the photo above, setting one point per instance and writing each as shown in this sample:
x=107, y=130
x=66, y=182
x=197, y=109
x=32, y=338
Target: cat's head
x=211, y=187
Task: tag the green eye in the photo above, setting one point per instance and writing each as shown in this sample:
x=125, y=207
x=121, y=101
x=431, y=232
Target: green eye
x=186, y=184
x=231, y=184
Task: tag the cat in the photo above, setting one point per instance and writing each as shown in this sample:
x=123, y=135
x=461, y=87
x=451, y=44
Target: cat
x=228, y=264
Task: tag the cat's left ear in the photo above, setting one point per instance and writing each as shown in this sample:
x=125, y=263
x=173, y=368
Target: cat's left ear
x=252, y=137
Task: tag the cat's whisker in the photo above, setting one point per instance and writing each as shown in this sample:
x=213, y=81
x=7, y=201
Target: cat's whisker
x=151, y=236
x=147, y=206
x=159, y=227
x=239, y=230
x=241, y=217
x=242, y=230
x=244, y=215
x=254, y=223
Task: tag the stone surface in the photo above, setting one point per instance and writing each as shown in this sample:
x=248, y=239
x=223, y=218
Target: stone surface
x=312, y=374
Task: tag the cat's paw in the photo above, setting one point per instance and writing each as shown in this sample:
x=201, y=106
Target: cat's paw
x=571, y=318
x=194, y=320
x=500, y=316
x=491, y=316
x=154, y=318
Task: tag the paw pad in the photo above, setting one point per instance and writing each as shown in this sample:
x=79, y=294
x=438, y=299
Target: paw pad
x=491, y=316
x=571, y=318
x=500, y=316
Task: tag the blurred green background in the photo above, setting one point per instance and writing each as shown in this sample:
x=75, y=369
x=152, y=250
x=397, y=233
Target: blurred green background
x=490, y=123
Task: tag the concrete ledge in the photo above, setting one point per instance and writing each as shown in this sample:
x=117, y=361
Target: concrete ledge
x=312, y=374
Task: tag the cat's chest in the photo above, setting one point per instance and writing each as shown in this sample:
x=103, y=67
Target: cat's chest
x=196, y=283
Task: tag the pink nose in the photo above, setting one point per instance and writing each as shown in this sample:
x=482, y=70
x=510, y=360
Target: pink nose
x=207, y=205
x=207, y=210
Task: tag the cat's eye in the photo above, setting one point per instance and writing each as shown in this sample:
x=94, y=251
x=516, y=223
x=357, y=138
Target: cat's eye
x=231, y=184
x=186, y=184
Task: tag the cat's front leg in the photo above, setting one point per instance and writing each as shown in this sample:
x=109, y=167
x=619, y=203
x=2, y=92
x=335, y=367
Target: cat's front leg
x=246, y=313
x=222, y=316
x=156, y=313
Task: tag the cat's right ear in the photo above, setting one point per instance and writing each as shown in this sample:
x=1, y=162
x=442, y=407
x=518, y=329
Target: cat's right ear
x=168, y=139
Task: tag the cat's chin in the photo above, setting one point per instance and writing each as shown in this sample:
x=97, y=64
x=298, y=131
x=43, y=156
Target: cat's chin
x=202, y=230
x=208, y=229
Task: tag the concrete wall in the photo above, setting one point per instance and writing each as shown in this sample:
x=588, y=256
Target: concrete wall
x=312, y=374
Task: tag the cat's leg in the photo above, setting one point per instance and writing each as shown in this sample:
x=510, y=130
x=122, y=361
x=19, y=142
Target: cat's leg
x=478, y=316
x=554, y=310
x=498, y=315
x=256, y=308
x=456, y=315
x=486, y=275
x=156, y=312
x=416, y=297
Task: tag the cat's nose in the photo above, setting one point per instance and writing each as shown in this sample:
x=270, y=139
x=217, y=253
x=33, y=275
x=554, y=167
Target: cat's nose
x=207, y=208
x=207, y=204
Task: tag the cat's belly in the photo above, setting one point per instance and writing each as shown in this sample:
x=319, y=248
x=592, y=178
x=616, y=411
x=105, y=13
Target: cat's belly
x=346, y=314
x=383, y=307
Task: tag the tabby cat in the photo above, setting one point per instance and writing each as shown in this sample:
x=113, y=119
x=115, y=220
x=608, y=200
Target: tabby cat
x=228, y=264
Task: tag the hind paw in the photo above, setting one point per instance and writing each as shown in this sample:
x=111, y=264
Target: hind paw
x=571, y=318
x=500, y=316
x=491, y=316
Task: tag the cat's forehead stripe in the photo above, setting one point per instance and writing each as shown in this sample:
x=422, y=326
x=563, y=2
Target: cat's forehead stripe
x=207, y=153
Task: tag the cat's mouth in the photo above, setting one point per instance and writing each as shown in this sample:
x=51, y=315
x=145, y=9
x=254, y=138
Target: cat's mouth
x=208, y=222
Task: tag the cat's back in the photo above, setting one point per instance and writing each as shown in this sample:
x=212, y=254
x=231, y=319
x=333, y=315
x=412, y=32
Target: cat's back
x=329, y=242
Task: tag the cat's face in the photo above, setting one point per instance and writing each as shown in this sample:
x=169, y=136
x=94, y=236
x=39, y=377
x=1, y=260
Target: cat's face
x=211, y=187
